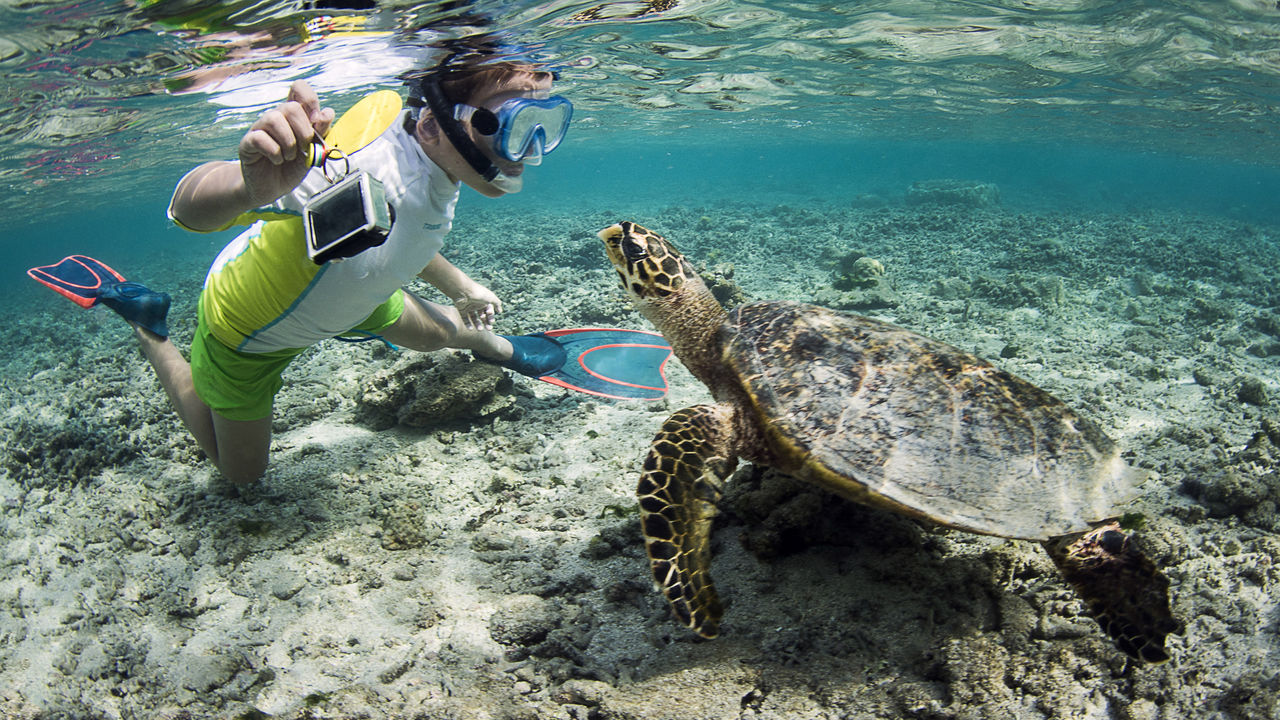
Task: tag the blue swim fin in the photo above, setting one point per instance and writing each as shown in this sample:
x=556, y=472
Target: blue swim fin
x=88, y=282
x=613, y=363
x=79, y=278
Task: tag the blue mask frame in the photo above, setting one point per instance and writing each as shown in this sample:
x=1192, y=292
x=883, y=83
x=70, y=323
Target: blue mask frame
x=528, y=126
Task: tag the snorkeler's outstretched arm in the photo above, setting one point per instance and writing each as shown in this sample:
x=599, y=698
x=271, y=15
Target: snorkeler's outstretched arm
x=274, y=157
x=477, y=304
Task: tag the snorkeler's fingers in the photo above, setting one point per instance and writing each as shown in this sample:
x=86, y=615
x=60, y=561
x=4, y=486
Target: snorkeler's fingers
x=300, y=133
x=320, y=118
x=302, y=93
x=277, y=135
x=477, y=317
x=257, y=145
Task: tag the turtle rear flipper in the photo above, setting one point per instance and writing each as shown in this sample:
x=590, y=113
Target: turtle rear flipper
x=678, y=491
x=1122, y=588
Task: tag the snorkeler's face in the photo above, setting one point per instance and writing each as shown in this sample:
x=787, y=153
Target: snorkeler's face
x=510, y=178
x=442, y=151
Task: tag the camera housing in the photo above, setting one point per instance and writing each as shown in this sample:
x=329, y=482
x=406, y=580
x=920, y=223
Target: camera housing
x=346, y=218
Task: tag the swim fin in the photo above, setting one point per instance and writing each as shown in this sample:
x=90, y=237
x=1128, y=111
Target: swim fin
x=613, y=363
x=79, y=278
x=88, y=282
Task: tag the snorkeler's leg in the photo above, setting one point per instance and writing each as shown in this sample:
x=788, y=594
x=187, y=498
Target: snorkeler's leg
x=174, y=374
x=238, y=448
x=427, y=326
x=243, y=447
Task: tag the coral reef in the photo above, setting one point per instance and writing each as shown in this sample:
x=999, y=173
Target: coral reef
x=423, y=392
x=857, y=271
x=1248, y=486
x=858, y=283
x=69, y=453
x=719, y=280
x=405, y=526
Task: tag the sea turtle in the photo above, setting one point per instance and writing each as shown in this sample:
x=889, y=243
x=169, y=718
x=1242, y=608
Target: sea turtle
x=880, y=415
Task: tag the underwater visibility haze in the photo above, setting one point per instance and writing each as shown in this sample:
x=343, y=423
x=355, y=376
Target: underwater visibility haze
x=1084, y=192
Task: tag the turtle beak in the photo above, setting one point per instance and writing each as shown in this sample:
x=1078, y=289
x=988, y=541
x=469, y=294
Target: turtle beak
x=610, y=234
x=612, y=237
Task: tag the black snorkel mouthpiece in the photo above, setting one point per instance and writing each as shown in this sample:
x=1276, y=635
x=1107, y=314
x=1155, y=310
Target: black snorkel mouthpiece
x=428, y=88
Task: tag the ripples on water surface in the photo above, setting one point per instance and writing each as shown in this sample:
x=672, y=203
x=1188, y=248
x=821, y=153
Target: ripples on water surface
x=105, y=97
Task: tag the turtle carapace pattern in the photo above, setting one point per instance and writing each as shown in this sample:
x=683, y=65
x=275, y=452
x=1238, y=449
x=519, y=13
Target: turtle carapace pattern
x=880, y=415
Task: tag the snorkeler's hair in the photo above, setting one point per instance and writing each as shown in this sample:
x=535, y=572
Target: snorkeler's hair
x=470, y=64
x=460, y=85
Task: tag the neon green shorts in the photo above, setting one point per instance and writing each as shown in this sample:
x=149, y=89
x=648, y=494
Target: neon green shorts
x=241, y=386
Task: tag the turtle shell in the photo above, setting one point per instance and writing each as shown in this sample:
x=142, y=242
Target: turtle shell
x=884, y=415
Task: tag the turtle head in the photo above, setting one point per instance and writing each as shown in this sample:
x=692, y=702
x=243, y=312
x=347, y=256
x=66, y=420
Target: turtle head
x=649, y=266
x=667, y=290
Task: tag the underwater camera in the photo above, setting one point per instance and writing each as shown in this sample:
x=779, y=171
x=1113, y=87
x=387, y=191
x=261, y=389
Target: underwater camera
x=346, y=219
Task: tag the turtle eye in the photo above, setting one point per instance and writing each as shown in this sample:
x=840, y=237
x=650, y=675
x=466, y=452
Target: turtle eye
x=633, y=250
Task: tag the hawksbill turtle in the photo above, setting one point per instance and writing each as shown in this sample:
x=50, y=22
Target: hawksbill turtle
x=883, y=416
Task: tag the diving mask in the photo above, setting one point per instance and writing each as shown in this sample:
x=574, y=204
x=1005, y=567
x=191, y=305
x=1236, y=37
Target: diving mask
x=522, y=129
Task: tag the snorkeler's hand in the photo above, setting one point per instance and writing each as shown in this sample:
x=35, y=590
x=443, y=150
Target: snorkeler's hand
x=275, y=152
x=478, y=307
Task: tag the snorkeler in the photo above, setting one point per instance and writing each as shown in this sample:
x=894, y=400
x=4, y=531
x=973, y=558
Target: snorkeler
x=266, y=298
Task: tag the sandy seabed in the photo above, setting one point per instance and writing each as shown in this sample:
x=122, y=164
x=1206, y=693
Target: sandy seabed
x=480, y=556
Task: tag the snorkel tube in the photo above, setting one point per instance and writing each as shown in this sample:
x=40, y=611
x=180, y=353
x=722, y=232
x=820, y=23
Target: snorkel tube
x=442, y=110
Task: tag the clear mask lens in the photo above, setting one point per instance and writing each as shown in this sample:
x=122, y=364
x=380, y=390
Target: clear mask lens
x=533, y=153
x=532, y=126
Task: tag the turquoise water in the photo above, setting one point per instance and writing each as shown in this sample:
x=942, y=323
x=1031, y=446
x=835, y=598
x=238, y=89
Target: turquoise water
x=1068, y=106
x=631, y=179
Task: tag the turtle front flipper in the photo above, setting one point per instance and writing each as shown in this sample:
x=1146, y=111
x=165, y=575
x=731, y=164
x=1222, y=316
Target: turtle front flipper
x=1123, y=589
x=678, y=491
